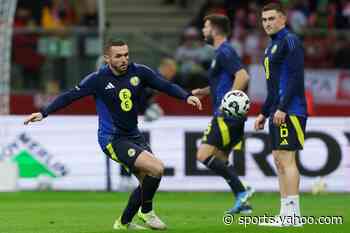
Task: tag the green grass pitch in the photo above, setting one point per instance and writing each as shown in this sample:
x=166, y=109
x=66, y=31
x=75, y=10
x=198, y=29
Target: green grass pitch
x=95, y=212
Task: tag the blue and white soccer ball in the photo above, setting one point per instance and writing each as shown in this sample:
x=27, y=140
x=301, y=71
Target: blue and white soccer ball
x=235, y=104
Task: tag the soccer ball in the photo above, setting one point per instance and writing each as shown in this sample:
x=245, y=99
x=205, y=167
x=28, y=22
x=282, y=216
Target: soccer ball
x=235, y=104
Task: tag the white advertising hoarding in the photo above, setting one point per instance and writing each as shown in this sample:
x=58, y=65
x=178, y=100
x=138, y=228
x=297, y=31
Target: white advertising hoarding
x=62, y=151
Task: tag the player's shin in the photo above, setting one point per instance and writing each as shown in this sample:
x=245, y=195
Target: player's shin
x=150, y=185
x=132, y=207
x=283, y=194
x=227, y=172
x=293, y=178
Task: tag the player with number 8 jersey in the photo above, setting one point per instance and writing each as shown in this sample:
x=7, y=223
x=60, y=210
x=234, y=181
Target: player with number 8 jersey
x=117, y=87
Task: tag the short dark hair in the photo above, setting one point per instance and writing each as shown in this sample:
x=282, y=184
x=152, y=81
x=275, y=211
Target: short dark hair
x=221, y=22
x=113, y=42
x=274, y=6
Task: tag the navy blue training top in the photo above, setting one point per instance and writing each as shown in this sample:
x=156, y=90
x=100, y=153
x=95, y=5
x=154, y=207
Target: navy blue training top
x=117, y=98
x=284, y=69
x=221, y=73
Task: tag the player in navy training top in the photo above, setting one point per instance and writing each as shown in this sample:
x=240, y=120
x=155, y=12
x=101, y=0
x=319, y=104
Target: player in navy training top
x=223, y=133
x=285, y=104
x=116, y=88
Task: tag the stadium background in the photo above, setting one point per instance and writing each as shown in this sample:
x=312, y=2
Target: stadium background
x=55, y=43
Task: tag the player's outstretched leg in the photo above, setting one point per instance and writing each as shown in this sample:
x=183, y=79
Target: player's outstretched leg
x=154, y=169
x=134, y=203
x=205, y=154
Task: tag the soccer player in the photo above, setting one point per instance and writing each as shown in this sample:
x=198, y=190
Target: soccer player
x=285, y=103
x=223, y=133
x=116, y=87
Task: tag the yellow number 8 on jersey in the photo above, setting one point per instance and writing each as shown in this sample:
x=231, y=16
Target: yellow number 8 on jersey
x=125, y=97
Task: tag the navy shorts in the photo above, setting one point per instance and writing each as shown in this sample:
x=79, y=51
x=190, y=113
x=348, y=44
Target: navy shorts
x=224, y=134
x=289, y=135
x=125, y=150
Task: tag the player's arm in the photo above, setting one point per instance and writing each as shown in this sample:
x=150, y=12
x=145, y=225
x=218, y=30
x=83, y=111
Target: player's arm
x=155, y=81
x=241, y=80
x=201, y=92
x=295, y=63
x=85, y=88
x=265, y=109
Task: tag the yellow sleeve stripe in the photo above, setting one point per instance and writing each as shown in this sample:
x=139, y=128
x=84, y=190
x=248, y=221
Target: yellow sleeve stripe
x=225, y=133
x=298, y=129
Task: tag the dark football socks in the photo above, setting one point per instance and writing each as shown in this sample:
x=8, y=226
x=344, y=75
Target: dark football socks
x=150, y=185
x=132, y=207
x=227, y=172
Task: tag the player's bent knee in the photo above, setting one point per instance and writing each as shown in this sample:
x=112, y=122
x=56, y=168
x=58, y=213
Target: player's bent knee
x=202, y=154
x=205, y=151
x=158, y=169
x=146, y=163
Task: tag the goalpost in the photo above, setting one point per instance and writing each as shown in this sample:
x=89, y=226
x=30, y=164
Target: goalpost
x=7, y=10
x=8, y=171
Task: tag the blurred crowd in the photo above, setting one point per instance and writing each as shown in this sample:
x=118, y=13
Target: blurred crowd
x=320, y=14
x=55, y=17
x=323, y=25
x=56, y=14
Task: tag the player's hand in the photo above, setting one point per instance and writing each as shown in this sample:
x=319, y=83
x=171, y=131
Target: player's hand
x=33, y=118
x=198, y=93
x=193, y=100
x=279, y=118
x=259, y=122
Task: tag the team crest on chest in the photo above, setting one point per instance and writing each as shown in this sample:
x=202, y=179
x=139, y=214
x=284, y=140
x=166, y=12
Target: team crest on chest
x=131, y=152
x=274, y=48
x=135, y=81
